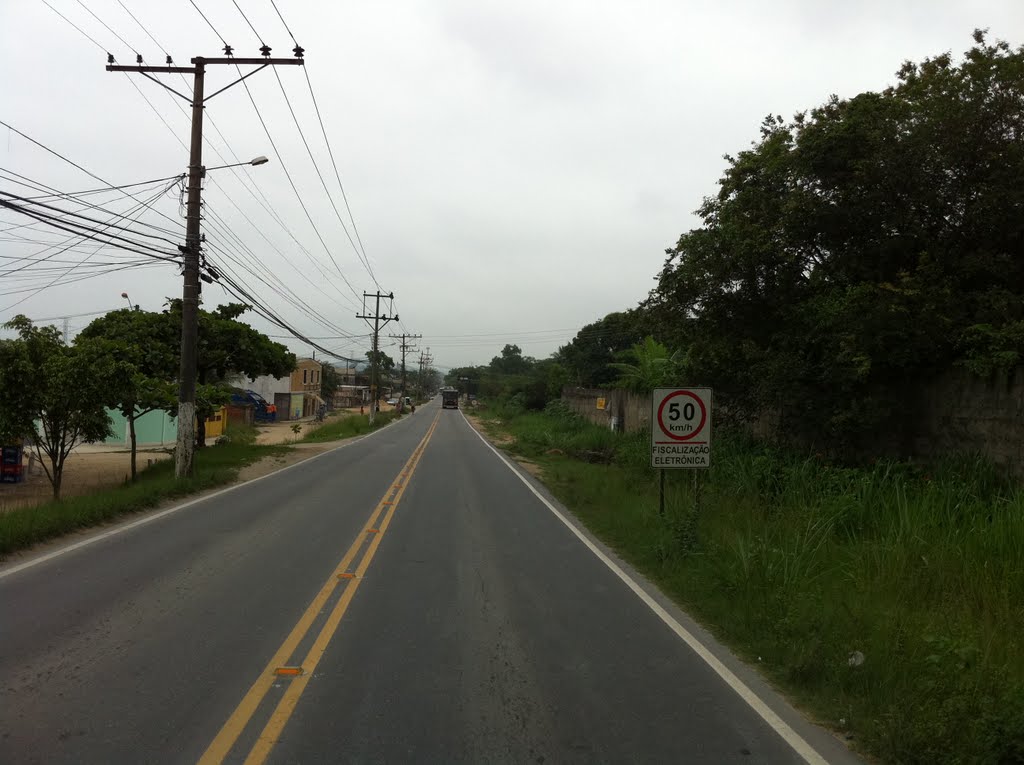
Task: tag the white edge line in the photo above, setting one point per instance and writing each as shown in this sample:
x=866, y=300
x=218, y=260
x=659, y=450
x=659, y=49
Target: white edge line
x=780, y=726
x=156, y=516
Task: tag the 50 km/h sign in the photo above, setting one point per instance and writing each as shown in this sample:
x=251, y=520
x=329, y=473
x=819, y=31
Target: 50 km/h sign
x=681, y=428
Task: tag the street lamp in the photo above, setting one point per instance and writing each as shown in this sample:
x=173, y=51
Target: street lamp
x=255, y=162
x=125, y=296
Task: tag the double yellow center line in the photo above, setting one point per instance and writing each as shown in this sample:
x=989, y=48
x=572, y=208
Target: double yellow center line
x=277, y=669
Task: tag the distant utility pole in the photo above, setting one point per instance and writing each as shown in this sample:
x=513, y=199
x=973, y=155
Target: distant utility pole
x=406, y=346
x=425, y=361
x=377, y=318
x=191, y=250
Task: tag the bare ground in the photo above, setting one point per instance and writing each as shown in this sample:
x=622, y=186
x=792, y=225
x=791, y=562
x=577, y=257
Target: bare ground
x=91, y=467
x=504, y=439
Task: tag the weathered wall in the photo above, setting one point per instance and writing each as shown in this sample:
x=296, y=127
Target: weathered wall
x=630, y=411
x=960, y=412
x=955, y=413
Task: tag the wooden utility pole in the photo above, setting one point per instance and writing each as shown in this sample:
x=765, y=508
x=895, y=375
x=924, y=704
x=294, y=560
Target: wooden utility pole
x=185, y=451
x=425, y=361
x=377, y=318
x=406, y=346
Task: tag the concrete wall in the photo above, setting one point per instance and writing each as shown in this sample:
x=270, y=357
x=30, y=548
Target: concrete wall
x=960, y=412
x=265, y=385
x=156, y=427
x=630, y=411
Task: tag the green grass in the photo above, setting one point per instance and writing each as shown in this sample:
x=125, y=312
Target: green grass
x=214, y=466
x=798, y=564
x=347, y=427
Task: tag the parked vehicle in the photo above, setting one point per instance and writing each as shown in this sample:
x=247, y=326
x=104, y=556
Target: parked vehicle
x=263, y=410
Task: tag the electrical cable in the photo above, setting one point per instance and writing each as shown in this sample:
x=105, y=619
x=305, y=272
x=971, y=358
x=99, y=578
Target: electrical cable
x=211, y=26
x=69, y=21
x=295, y=189
x=129, y=47
x=249, y=23
x=323, y=183
x=330, y=151
x=67, y=213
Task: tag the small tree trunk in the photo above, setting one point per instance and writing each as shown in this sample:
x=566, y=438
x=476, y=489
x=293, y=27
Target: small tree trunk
x=56, y=478
x=200, y=431
x=131, y=431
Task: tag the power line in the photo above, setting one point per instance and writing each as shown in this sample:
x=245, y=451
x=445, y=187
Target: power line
x=249, y=23
x=284, y=23
x=330, y=152
x=320, y=175
x=337, y=174
x=146, y=31
x=69, y=21
x=295, y=189
x=265, y=205
x=211, y=26
x=129, y=47
x=68, y=213
x=77, y=166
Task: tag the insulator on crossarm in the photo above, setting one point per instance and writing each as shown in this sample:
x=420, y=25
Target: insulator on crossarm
x=298, y=50
x=265, y=50
x=228, y=50
x=169, y=62
x=138, y=59
x=110, y=58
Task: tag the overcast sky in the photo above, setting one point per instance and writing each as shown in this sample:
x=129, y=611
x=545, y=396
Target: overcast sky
x=515, y=170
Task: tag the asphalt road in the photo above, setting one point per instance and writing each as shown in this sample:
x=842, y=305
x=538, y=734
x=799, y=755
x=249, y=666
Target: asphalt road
x=406, y=598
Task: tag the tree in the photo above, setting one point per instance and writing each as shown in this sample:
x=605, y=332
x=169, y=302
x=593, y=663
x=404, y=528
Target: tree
x=858, y=249
x=330, y=381
x=510, y=362
x=385, y=368
x=146, y=341
x=587, y=356
x=65, y=389
x=229, y=347
x=653, y=366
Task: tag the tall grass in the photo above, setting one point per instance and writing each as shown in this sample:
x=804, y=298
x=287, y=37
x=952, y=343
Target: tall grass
x=214, y=466
x=889, y=600
x=347, y=427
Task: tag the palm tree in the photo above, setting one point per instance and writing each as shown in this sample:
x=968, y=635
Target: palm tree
x=654, y=367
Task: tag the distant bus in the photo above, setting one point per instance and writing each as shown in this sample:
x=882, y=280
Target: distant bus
x=449, y=399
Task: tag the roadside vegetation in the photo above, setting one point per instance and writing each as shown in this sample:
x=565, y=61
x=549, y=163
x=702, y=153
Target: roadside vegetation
x=215, y=466
x=886, y=599
x=347, y=426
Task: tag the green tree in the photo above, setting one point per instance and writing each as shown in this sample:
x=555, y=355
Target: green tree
x=652, y=366
x=510, y=362
x=385, y=369
x=330, y=381
x=586, y=358
x=229, y=347
x=148, y=343
x=860, y=248
x=56, y=395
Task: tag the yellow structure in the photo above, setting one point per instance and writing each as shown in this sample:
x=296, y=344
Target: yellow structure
x=217, y=423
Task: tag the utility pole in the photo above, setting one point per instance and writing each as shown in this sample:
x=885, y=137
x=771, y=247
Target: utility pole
x=425, y=361
x=405, y=346
x=377, y=318
x=185, y=451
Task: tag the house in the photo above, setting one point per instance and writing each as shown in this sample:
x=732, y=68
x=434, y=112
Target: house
x=305, y=388
x=347, y=396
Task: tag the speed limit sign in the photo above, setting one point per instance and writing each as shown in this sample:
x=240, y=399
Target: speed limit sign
x=681, y=428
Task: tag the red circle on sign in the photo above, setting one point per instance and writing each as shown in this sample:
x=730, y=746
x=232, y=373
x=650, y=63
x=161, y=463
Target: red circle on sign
x=703, y=415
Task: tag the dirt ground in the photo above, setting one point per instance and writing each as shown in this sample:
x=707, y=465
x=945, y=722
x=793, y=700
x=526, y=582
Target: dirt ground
x=504, y=439
x=87, y=469
x=98, y=466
